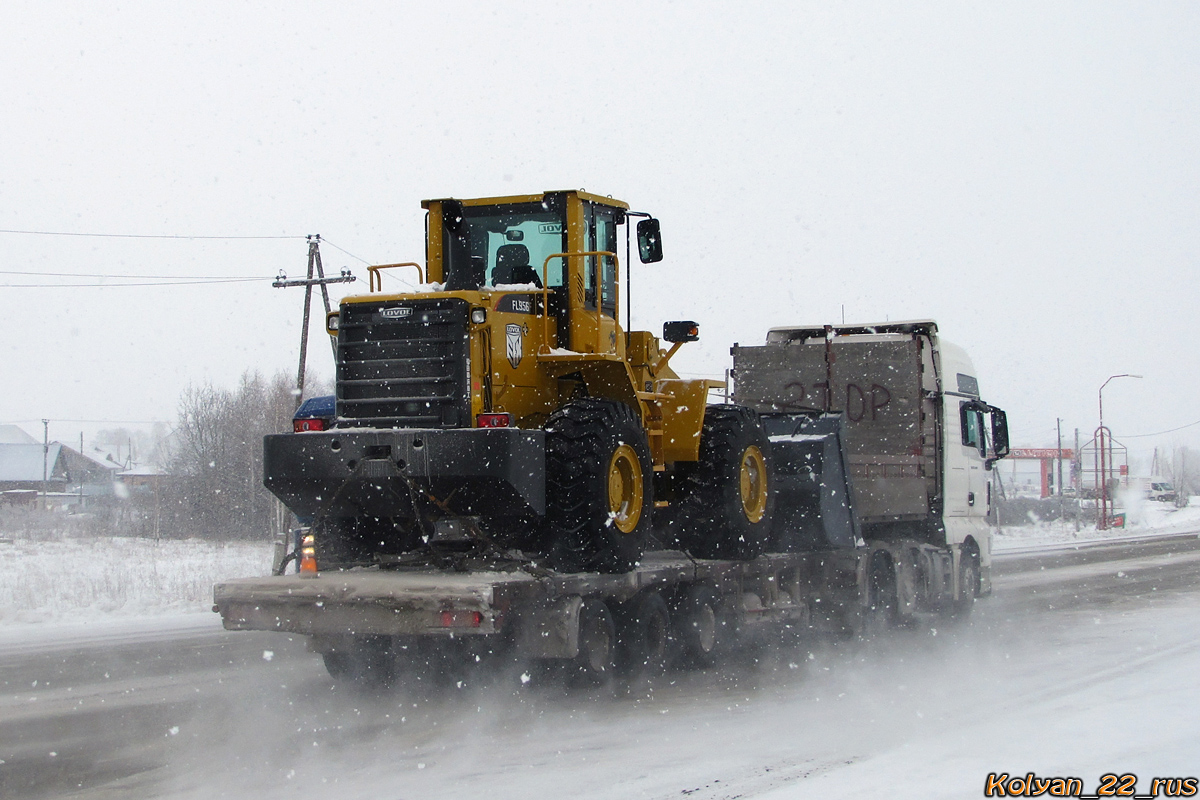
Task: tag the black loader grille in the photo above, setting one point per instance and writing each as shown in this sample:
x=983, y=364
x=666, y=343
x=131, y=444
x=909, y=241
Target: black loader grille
x=403, y=364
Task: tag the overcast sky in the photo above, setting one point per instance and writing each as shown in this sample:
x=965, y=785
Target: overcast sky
x=1026, y=174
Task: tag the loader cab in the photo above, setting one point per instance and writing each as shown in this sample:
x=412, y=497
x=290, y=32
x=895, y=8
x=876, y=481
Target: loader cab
x=519, y=244
x=504, y=244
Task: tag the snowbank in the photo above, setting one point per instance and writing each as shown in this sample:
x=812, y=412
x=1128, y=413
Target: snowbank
x=1142, y=519
x=82, y=579
x=78, y=579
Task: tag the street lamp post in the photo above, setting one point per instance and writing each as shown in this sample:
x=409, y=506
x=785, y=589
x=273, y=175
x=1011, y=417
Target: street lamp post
x=1105, y=458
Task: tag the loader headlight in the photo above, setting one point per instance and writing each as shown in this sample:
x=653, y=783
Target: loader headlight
x=479, y=315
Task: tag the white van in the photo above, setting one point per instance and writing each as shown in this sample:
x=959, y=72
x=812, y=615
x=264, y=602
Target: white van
x=1160, y=489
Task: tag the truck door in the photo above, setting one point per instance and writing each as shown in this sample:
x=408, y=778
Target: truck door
x=969, y=495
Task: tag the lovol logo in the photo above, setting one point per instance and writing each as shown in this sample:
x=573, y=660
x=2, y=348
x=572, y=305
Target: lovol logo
x=395, y=313
x=514, y=338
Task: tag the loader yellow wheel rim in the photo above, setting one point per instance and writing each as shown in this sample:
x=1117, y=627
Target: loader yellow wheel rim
x=753, y=483
x=625, y=489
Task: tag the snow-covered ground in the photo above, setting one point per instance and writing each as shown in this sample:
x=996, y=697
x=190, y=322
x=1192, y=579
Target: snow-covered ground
x=83, y=579
x=1085, y=689
x=87, y=579
x=928, y=713
x=1142, y=519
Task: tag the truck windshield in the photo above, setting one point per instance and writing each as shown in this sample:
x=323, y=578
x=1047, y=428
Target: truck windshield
x=510, y=242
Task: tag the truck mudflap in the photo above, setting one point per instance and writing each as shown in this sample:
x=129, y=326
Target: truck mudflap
x=356, y=471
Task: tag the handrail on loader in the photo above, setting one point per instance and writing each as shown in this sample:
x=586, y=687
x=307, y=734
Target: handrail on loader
x=376, y=280
x=599, y=291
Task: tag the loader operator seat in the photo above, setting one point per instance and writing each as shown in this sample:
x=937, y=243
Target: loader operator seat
x=512, y=266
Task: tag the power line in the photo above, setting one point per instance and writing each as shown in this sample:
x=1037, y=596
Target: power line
x=102, y=421
x=143, y=235
x=147, y=277
x=1160, y=433
x=152, y=236
x=204, y=282
x=346, y=251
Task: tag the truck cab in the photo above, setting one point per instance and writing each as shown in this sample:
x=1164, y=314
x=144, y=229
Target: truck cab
x=920, y=440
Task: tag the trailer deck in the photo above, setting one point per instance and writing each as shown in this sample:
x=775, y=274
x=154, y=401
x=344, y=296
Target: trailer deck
x=431, y=600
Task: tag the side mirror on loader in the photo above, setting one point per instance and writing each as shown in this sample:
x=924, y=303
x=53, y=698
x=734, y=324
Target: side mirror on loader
x=679, y=332
x=649, y=241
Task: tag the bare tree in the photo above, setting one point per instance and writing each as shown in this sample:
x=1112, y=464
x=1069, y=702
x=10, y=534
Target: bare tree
x=216, y=460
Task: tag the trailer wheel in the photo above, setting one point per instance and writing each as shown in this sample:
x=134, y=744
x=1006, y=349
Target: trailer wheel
x=595, y=664
x=598, y=488
x=729, y=506
x=338, y=665
x=367, y=661
x=643, y=633
x=700, y=628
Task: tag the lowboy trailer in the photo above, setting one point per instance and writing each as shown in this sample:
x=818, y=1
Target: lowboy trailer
x=874, y=433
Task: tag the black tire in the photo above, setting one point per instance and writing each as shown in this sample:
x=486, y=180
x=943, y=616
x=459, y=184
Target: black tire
x=968, y=582
x=700, y=628
x=595, y=665
x=367, y=661
x=728, y=507
x=882, y=611
x=599, y=491
x=338, y=665
x=643, y=635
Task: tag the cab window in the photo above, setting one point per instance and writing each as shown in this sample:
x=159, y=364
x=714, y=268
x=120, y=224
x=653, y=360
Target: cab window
x=508, y=244
x=601, y=235
x=972, y=426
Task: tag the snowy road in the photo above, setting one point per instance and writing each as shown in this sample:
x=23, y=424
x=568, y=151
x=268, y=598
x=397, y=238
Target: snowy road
x=1083, y=662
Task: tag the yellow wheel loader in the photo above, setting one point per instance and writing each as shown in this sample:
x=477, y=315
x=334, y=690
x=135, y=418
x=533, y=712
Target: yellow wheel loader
x=500, y=410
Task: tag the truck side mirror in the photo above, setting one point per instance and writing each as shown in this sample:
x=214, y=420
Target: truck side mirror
x=649, y=241
x=999, y=433
x=679, y=332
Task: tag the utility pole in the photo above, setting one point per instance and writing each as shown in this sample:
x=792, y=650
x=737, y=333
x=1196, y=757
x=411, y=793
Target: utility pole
x=1106, y=458
x=1058, y=427
x=1077, y=468
x=1181, y=485
x=314, y=266
x=316, y=277
x=45, y=463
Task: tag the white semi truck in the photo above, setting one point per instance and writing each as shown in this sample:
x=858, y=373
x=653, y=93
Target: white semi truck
x=880, y=451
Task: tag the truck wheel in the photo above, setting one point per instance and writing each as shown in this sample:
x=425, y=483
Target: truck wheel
x=595, y=664
x=643, y=632
x=598, y=488
x=882, y=611
x=968, y=581
x=700, y=628
x=729, y=506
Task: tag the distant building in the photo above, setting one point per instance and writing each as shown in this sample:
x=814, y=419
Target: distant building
x=11, y=434
x=72, y=478
x=142, y=477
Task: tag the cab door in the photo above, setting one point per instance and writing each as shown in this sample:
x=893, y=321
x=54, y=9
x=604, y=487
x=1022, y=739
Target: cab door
x=595, y=329
x=974, y=450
